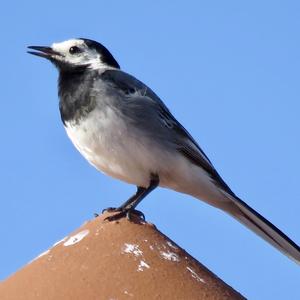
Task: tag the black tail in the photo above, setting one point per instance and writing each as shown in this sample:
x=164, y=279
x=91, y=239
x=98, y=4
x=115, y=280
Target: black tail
x=265, y=229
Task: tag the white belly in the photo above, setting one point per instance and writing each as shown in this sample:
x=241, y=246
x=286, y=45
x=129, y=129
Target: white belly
x=123, y=153
x=113, y=148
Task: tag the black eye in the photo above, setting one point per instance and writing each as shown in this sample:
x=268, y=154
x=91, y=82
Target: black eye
x=74, y=50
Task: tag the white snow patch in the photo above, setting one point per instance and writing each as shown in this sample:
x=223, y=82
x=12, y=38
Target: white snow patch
x=143, y=265
x=127, y=293
x=42, y=254
x=76, y=238
x=60, y=241
x=171, y=245
x=195, y=275
x=151, y=247
x=132, y=248
x=169, y=255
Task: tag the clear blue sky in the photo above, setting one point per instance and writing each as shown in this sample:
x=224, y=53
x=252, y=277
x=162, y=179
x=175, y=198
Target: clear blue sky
x=228, y=70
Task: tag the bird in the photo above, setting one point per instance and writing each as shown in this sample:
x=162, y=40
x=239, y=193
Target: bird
x=124, y=130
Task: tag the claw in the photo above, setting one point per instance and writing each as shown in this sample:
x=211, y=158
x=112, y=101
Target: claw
x=110, y=209
x=124, y=213
x=116, y=217
x=135, y=212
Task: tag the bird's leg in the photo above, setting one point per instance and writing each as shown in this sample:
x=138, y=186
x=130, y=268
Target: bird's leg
x=140, y=190
x=128, y=202
x=129, y=206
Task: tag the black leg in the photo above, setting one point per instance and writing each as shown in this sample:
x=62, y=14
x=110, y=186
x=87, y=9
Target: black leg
x=129, y=206
x=132, y=199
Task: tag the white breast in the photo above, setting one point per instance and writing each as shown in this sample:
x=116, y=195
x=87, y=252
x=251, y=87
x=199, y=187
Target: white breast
x=109, y=145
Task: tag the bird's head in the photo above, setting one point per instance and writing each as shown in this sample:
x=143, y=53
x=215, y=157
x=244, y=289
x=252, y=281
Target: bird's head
x=76, y=54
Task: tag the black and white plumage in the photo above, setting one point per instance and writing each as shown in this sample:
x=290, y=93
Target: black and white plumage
x=123, y=129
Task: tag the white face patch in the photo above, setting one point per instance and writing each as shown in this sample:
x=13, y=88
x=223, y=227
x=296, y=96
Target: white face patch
x=64, y=47
x=85, y=56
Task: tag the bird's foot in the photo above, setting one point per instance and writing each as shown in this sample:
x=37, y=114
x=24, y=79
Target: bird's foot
x=110, y=209
x=121, y=212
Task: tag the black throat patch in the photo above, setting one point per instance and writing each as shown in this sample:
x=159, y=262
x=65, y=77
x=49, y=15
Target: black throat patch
x=74, y=92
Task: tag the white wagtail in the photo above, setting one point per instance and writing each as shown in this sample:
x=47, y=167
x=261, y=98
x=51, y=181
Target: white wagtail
x=124, y=130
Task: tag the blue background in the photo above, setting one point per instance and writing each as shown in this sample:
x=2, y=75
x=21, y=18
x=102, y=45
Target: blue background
x=228, y=70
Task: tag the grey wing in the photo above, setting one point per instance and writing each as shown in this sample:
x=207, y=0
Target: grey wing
x=148, y=105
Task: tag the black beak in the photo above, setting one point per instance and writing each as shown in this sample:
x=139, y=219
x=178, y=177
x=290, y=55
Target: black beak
x=46, y=52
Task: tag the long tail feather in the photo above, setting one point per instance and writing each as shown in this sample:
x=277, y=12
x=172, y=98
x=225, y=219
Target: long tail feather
x=265, y=229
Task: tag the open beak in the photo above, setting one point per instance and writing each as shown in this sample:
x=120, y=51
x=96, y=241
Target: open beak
x=46, y=52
